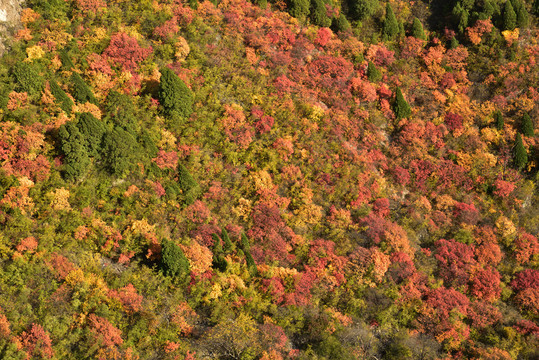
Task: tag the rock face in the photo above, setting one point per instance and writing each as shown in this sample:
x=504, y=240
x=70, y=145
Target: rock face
x=10, y=14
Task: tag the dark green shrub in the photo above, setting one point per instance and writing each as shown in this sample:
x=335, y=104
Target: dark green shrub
x=373, y=74
x=61, y=97
x=400, y=106
x=80, y=90
x=417, y=30
x=390, y=26
x=175, y=97
x=27, y=78
x=92, y=130
x=76, y=158
x=120, y=151
x=527, y=125
x=521, y=156
x=173, y=260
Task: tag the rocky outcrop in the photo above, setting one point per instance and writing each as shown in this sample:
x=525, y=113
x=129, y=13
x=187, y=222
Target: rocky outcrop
x=10, y=14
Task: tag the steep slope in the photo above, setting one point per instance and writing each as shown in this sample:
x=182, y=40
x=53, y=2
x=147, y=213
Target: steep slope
x=226, y=181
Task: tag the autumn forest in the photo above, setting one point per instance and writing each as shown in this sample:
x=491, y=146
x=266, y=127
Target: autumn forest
x=271, y=180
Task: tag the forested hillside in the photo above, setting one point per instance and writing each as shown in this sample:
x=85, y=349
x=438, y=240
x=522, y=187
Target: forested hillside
x=271, y=180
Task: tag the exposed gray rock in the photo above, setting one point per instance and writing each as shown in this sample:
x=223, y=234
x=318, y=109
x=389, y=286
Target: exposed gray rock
x=10, y=16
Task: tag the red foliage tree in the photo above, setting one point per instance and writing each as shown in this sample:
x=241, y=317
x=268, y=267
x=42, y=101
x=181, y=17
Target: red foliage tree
x=271, y=237
x=381, y=207
x=466, y=213
x=401, y=175
x=302, y=289
x=125, y=50
x=364, y=90
x=446, y=301
x=37, y=343
x=526, y=248
x=104, y=333
x=323, y=36
x=93, y=6
x=4, y=326
x=456, y=261
x=503, y=188
x=526, y=279
x=168, y=29
x=28, y=244
x=275, y=287
x=197, y=212
x=528, y=300
x=60, y=265
x=527, y=327
x=128, y=297
x=486, y=284
x=166, y=159
x=453, y=121
x=483, y=314
x=488, y=253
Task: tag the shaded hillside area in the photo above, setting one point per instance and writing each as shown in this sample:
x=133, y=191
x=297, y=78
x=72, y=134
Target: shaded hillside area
x=287, y=180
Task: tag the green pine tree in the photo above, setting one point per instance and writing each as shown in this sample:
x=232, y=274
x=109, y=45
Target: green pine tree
x=61, y=97
x=188, y=185
x=522, y=13
x=341, y=24
x=80, y=90
x=454, y=43
x=362, y=9
x=417, y=30
x=521, y=156
x=461, y=17
x=120, y=151
x=67, y=64
x=373, y=74
x=173, y=260
x=527, y=125
x=226, y=240
x=251, y=265
x=92, y=130
x=74, y=146
x=185, y=179
x=245, y=242
x=488, y=10
x=400, y=106
x=28, y=78
x=120, y=109
x=299, y=8
x=391, y=26
x=318, y=14
x=509, y=17
x=498, y=120
x=219, y=262
x=175, y=97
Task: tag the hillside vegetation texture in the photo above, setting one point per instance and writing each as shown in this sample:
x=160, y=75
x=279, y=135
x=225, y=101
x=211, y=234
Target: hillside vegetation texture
x=277, y=180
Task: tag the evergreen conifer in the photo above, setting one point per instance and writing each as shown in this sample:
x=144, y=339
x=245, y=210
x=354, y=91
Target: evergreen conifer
x=417, y=30
x=61, y=97
x=509, y=17
x=74, y=147
x=173, y=260
x=373, y=74
x=299, y=8
x=319, y=15
x=80, y=90
x=400, y=106
x=175, y=97
x=498, y=119
x=521, y=156
x=527, y=125
x=390, y=26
